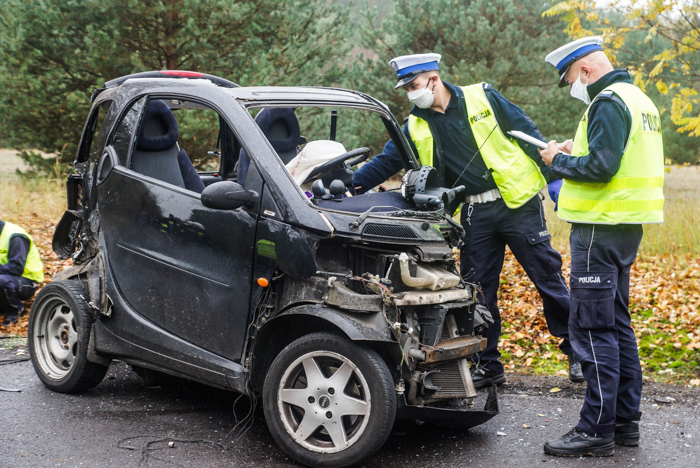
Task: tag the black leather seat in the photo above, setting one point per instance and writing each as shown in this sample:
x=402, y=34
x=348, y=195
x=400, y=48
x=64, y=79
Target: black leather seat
x=281, y=127
x=157, y=153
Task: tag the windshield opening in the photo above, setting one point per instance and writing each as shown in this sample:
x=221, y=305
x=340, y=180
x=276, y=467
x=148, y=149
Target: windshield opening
x=322, y=146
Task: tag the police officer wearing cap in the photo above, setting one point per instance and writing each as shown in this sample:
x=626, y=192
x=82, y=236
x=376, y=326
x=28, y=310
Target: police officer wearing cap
x=461, y=132
x=21, y=270
x=613, y=183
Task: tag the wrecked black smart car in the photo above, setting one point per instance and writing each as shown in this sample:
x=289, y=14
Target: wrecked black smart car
x=214, y=237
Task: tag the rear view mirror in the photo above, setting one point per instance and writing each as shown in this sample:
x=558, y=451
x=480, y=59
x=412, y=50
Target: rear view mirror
x=226, y=195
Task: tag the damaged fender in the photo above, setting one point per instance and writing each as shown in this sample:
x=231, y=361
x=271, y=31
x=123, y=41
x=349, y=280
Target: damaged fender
x=357, y=327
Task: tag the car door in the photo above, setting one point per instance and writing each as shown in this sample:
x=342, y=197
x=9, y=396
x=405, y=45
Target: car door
x=183, y=267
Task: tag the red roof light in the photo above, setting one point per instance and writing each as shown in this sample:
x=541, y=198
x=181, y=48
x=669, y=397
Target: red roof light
x=182, y=74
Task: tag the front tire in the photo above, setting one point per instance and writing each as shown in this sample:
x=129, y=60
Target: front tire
x=329, y=402
x=59, y=332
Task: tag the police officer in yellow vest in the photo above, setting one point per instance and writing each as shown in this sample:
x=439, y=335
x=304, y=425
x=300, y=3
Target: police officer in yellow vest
x=613, y=183
x=461, y=132
x=21, y=270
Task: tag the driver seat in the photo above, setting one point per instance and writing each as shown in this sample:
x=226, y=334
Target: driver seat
x=281, y=128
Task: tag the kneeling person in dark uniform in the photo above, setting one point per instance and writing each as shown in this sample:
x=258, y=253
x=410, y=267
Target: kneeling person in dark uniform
x=21, y=270
x=461, y=132
x=613, y=183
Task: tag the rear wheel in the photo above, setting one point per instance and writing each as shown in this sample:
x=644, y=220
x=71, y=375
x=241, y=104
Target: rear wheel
x=59, y=331
x=329, y=402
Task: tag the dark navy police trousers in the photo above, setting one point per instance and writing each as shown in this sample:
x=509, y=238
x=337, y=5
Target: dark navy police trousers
x=489, y=227
x=600, y=326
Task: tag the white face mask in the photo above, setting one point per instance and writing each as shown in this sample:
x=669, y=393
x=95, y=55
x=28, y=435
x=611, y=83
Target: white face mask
x=579, y=90
x=423, y=97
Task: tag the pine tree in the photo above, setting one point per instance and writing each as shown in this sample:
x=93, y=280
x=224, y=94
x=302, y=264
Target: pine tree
x=53, y=53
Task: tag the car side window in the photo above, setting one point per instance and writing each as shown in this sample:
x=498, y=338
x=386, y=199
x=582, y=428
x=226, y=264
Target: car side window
x=125, y=134
x=199, y=135
x=94, y=134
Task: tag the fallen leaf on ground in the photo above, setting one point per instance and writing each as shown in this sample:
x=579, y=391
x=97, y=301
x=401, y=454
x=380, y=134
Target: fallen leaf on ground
x=555, y=390
x=664, y=399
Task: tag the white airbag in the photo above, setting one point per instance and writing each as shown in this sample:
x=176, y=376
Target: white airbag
x=313, y=155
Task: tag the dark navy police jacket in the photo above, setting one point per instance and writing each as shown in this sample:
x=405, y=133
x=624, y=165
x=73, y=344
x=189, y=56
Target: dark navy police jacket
x=455, y=144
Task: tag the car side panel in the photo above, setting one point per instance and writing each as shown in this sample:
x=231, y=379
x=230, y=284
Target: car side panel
x=180, y=265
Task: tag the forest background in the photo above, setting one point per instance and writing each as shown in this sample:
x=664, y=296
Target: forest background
x=54, y=53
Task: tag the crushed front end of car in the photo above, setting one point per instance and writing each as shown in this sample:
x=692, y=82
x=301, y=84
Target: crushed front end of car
x=391, y=279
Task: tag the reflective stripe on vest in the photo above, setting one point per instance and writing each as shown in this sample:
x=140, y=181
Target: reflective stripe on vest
x=33, y=267
x=517, y=176
x=635, y=193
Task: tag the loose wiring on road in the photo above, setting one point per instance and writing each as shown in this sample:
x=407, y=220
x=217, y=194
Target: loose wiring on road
x=150, y=447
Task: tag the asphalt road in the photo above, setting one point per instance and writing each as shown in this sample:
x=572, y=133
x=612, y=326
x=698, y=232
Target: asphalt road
x=113, y=424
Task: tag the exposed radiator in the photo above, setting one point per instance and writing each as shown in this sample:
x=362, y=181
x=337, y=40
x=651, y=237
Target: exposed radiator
x=453, y=377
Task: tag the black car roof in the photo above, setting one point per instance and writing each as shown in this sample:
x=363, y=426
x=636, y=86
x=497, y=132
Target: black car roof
x=300, y=94
x=282, y=94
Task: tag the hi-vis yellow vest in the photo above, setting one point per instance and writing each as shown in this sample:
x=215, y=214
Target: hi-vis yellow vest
x=33, y=267
x=517, y=176
x=635, y=194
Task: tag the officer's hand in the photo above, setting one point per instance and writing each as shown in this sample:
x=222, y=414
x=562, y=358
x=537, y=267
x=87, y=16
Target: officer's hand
x=566, y=147
x=553, y=188
x=549, y=153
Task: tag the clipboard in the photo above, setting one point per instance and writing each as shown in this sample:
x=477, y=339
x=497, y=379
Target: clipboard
x=532, y=140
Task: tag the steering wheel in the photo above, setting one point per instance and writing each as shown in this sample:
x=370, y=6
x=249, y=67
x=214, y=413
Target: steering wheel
x=360, y=154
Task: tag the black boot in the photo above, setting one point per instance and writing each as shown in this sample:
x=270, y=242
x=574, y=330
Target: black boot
x=627, y=433
x=577, y=443
x=483, y=377
x=10, y=318
x=575, y=372
x=12, y=315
